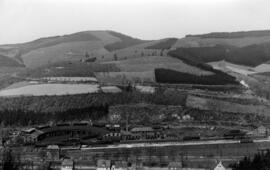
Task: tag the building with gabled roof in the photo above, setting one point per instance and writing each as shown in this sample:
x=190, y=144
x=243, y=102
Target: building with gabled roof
x=219, y=166
x=67, y=164
x=142, y=129
x=175, y=166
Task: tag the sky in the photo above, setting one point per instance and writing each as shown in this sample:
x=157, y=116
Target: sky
x=26, y=20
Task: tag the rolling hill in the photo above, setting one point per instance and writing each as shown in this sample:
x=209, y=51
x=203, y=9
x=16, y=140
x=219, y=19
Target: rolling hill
x=142, y=59
x=9, y=62
x=48, y=50
x=250, y=48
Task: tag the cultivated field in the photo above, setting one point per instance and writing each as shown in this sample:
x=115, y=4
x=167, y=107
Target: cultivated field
x=262, y=68
x=125, y=77
x=226, y=66
x=149, y=63
x=140, y=69
x=71, y=79
x=225, y=106
x=71, y=51
x=245, y=70
x=50, y=89
x=206, y=42
x=69, y=69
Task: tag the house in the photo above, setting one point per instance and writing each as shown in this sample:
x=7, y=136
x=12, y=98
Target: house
x=145, y=89
x=67, y=164
x=259, y=131
x=69, y=134
x=103, y=164
x=143, y=132
x=120, y=165
x=137, y=166
x=84, y=165
x=53, y=152
x=31, y=135
x=1, y=142
x=175, y=166
x=114, y=136
x=126, y=135
x=53, y=147
x=219, y=166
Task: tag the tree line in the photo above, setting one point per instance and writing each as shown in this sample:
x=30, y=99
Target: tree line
x=261, y=161
x=41, y=109
x=176, y=77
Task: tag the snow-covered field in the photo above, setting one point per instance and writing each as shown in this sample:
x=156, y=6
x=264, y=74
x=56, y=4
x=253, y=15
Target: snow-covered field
x=111, y=89
x=73, y=79
x=180, y=143
x=164, y=144
x=50, y=89
x=262, y=68
x=240, y=71
x=225, y=66
x=145, y=89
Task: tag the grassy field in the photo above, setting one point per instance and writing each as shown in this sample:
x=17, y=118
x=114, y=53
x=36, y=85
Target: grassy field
x=70, y=51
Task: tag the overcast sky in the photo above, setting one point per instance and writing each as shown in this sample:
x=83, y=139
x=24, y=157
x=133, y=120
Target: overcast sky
x=25, y=20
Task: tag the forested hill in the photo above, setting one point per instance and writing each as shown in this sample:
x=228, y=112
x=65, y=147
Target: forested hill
x=175, y=77
x=252, y=55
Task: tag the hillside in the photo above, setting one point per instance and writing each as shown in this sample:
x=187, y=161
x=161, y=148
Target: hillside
x=72, y=47
x=175, y=77
x=252, y=55
x=250, y=48
x=165, y=44
x=8, y=62
x=126, y=41
x=142, y=69
x=121, y=58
